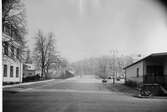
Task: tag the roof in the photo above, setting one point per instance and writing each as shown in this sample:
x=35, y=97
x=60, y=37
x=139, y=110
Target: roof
x=151, y=55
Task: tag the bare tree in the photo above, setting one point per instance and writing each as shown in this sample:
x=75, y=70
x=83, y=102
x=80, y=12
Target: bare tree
x=14, y=24
x=50, y=51
x=13, y=18
x=28, y=58
x=44, y=51
x=102, y=66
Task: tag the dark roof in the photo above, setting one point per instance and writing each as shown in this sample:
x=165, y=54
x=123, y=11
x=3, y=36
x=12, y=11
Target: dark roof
x=151, y=55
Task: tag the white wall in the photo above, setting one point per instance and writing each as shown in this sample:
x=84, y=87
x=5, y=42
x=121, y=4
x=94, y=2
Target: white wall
x=15, y=63
x=131, y=72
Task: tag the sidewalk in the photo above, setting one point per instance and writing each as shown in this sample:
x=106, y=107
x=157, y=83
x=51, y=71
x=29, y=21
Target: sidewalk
x=27, y=83
x=43, y=81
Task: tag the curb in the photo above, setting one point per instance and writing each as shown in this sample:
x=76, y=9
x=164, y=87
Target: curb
x=27, y=83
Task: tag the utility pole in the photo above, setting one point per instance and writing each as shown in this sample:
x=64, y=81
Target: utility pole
x=113, y=65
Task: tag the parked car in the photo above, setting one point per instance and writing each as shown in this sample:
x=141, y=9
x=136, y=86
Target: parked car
x=104, y=80
x=118, y=78
x=109, y=77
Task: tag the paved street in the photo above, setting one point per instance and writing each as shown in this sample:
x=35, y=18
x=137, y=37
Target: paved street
x=78, y=94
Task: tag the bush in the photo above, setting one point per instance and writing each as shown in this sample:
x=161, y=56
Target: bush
x=65, y=75
x=131, y=83
x=10, y=83
x=31, y=78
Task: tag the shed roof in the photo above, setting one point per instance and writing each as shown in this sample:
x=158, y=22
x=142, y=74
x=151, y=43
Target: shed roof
x=151, y=55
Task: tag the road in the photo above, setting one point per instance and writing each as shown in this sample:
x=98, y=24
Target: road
x=78, y=94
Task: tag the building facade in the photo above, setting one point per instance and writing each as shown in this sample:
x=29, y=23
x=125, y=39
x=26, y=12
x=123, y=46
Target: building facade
x=12, y=65
x=149, y=70
x=135, y=72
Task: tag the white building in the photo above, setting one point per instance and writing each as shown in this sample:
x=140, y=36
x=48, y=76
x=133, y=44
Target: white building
x=11, y=59
x=29, y=70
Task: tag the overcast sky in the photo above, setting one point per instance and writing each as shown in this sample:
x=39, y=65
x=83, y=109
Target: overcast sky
x=86, y=28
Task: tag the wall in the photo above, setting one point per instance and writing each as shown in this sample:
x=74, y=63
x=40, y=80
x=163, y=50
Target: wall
x=11, y=61
x=131, y=72
x=15, y=63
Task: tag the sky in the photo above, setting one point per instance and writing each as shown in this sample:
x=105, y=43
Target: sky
x=90, y=28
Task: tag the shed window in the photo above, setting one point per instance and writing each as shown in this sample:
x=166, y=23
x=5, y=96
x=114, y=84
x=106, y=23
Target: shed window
x=137, y=72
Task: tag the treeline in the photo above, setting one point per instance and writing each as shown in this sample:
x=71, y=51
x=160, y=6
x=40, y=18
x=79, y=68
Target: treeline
x=102, y=66
x=45, y=56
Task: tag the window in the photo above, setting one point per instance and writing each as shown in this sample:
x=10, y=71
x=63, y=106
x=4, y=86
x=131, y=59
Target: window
x=5, y=45
x=3, y=28
x=5, y=70
x=17, y=71
x=30, y=74
x=11, y=71
x=137, y=71
x=12, y=33
x=12, y=51
x=6, y=29
x=17, y=53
